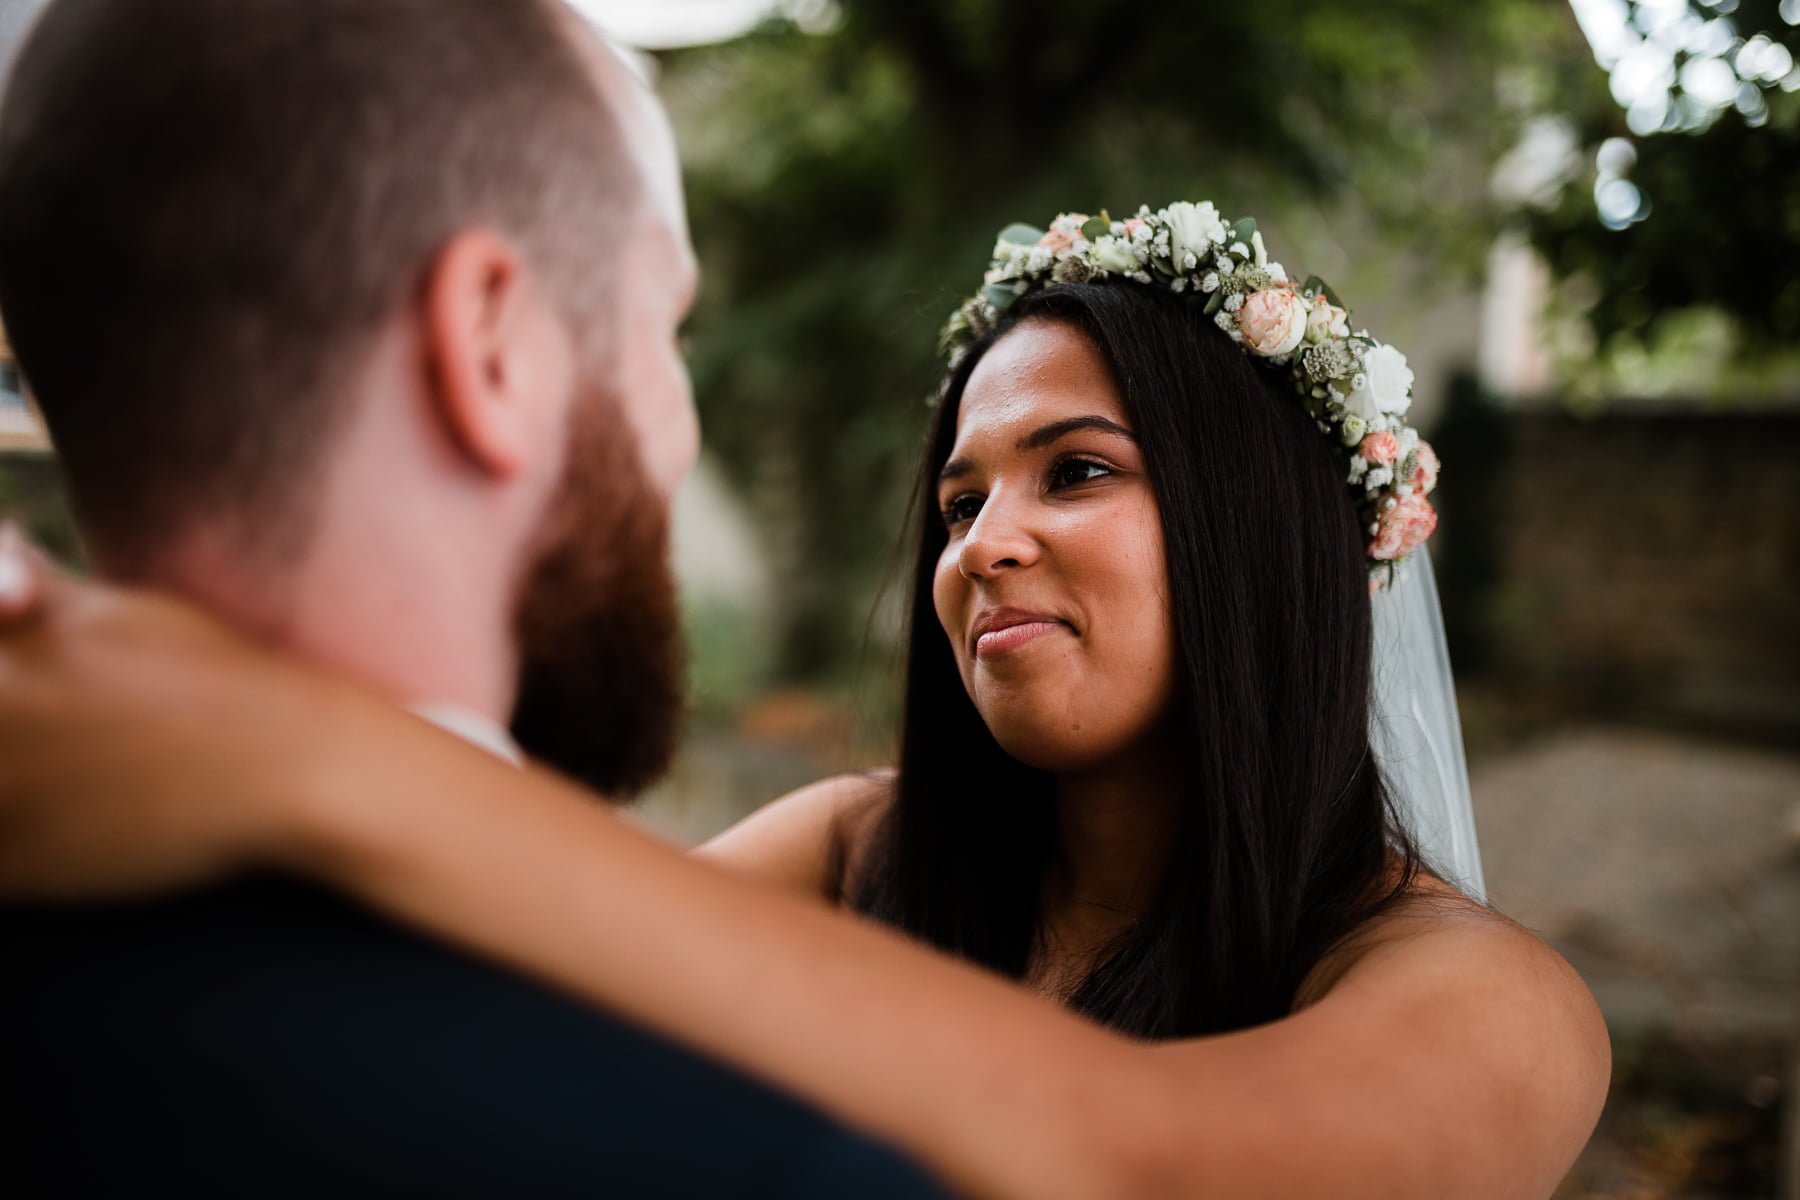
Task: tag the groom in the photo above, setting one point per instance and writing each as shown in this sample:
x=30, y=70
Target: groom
x=354, y=322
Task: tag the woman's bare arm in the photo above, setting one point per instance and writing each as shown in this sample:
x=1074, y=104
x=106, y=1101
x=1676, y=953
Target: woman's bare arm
x=1456, y=1057
x=802, y=840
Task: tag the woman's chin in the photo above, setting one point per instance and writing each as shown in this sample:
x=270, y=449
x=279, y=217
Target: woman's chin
x=1061, y=746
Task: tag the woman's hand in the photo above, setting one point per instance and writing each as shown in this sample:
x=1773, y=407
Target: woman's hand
x=142, y=745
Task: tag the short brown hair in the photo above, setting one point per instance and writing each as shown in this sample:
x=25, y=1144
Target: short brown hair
x=207, y=206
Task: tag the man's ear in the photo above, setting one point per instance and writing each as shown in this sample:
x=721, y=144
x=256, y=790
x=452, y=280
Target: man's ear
x=485, y=343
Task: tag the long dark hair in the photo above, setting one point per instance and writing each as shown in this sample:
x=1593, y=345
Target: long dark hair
x=1286, y=826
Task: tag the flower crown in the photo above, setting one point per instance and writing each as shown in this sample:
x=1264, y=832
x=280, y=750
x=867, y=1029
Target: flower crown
x=1356, y=389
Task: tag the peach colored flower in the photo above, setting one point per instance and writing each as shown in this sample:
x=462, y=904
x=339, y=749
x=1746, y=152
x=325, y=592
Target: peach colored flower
x=1426, y=477
x=1325, y=321
x=1132, y=225
x=1404, y=528
x=1272, y=321
x=1062, y=233
x=1381, y=448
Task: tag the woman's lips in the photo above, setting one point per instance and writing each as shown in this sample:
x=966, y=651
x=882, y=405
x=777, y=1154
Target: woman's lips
x=1013, y=637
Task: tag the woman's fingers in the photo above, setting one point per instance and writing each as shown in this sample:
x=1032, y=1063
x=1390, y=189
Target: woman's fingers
x=30, y=581
x=143, y=743
x=22, y=575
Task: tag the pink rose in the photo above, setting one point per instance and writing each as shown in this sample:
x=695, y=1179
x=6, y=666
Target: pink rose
x=1382, y=448
x=1063, y=232
x=1404, y=528
x=1272, y=321
x=1425, y=478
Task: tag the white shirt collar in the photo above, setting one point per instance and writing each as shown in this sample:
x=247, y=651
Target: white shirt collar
x=471, y=727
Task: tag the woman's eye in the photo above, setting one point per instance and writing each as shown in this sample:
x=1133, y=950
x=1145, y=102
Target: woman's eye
x=963, y=508
x=1074, y=471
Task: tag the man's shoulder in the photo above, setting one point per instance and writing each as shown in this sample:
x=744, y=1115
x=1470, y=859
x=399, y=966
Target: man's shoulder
x=267, y=1030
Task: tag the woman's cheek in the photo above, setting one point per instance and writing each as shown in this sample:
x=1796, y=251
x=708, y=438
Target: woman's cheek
x=948, y=589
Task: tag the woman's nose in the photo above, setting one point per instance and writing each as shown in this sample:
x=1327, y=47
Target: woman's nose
x=999, y=539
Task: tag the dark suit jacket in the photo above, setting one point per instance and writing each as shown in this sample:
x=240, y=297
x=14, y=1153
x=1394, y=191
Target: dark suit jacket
x=266, y=1039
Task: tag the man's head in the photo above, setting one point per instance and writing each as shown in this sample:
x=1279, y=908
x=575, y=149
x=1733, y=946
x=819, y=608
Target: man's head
x=378, y=282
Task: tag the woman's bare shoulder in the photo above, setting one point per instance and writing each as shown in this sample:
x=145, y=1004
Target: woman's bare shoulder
x=1477, y=1015
x=1428, y=906
x=803, y=840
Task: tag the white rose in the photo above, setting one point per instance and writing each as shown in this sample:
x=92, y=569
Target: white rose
x=1383, y=386
x=1326, y=320
x=1115, y=256
x=1193, y=228
x=1273, y=321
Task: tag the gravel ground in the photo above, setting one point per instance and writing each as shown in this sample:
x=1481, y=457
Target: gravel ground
x=1666, y=869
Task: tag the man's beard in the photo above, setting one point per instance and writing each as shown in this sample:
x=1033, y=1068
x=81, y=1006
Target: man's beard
x=600, y=670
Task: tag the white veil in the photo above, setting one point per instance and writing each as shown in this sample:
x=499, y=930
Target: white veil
x=1415, y=730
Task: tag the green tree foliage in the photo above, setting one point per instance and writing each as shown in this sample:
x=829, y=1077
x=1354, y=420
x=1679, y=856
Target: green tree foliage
x=1719, y=226
x=846, y=188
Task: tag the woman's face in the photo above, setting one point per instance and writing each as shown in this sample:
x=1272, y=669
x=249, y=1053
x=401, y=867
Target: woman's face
x=1051, y=586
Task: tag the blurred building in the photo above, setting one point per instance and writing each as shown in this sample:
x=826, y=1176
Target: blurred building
x=20, y=427
x=1634, y=553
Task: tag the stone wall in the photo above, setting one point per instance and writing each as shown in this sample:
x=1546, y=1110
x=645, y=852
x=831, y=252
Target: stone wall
x=1639, y=563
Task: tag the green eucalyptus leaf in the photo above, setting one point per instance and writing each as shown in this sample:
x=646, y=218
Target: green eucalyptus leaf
x=999, y=295
x=1021, y=234
x=1096, y=228
x=1243, y=231
x=1217, y=302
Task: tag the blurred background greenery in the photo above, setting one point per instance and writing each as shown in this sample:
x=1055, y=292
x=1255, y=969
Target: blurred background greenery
x=1582, y=223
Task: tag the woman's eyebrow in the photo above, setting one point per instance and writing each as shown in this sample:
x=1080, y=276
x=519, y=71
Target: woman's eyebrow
x=1040, y=437
x=1043, y=436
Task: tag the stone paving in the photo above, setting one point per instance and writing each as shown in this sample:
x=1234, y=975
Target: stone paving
x=1665, y=868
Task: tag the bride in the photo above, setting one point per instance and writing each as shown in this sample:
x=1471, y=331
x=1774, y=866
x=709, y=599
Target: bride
x=1156, y=779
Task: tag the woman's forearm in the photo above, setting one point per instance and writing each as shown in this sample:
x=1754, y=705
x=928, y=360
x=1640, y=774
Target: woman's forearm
x=1000, y=1093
